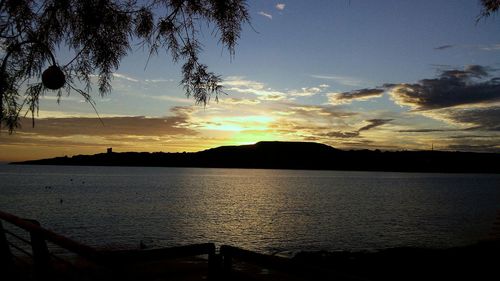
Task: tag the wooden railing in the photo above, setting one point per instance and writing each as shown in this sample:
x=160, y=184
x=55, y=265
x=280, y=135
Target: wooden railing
x=298, y=269
x=219, y=265
x=41, y=255
x=39, y=235
x=228, y=253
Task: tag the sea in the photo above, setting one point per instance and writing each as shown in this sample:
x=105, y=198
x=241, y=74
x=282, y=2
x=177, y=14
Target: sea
x=269, y=211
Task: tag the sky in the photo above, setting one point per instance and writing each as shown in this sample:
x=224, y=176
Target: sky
x=353, y=74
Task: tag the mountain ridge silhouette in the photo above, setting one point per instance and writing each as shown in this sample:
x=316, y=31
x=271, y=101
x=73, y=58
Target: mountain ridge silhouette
x=293, y=155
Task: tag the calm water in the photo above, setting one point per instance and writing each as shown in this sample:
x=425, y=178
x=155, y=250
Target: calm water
x=263, y=210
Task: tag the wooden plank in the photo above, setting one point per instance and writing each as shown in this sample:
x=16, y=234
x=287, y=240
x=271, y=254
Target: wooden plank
x=309, y=272
x=41, y=256
x=64, y=242
x=5, y=253
x=117, y=259
x=230, y=252
x=109, y=257
x=130, y=256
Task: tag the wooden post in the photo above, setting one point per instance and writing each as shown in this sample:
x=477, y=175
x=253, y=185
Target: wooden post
x=226, y=258
x=212, y=262
x=41, y=255
x=5, y=253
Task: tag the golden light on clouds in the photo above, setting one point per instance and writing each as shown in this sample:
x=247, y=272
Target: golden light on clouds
x=238, y=123
x=396, y=116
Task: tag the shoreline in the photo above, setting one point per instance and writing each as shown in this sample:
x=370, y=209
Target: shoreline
x=29, y=163
x=294, y=156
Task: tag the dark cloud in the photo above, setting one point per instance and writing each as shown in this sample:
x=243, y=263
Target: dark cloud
x=486, y=147
x=487, y=119
x=32, y=140
x=357, y=94
x=470, y=119
x=428, y=130
x=374, y=123
x=354, y=134
x=183, y=111
x=358, y=142
x=474, y=137
x=342, y=135
x=137, y=126
x=470, y=71
x=443, y=47
x=311, y=138
x=451, y=88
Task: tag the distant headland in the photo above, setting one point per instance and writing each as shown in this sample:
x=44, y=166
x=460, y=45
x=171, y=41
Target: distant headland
x=293, y=155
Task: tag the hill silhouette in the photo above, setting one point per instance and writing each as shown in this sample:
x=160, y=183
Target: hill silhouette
x=294, y=155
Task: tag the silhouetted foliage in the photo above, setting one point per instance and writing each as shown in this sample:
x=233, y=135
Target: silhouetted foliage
x=489, y=7
x=99, y=34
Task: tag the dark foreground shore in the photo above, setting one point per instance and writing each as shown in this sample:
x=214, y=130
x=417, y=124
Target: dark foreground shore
x=475, y=262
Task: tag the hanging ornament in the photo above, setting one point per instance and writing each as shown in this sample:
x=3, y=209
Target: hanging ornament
x=53, y=78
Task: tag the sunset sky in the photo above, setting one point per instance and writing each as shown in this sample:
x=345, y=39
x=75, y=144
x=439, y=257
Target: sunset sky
x=353, y=74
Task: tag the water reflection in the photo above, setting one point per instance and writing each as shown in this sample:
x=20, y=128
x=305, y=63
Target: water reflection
x=263, y=210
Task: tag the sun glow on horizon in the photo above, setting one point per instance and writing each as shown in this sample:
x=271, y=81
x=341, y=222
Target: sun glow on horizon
x=238, y=123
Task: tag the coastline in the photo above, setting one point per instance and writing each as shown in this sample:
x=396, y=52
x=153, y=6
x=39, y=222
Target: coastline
x=477, y=261
x=293, y=156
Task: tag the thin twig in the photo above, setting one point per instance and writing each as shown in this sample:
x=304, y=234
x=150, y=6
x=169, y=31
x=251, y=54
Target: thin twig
x=77, y=55
x=89, y=100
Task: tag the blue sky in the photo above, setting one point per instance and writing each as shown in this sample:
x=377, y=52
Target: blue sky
x=345, y=73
